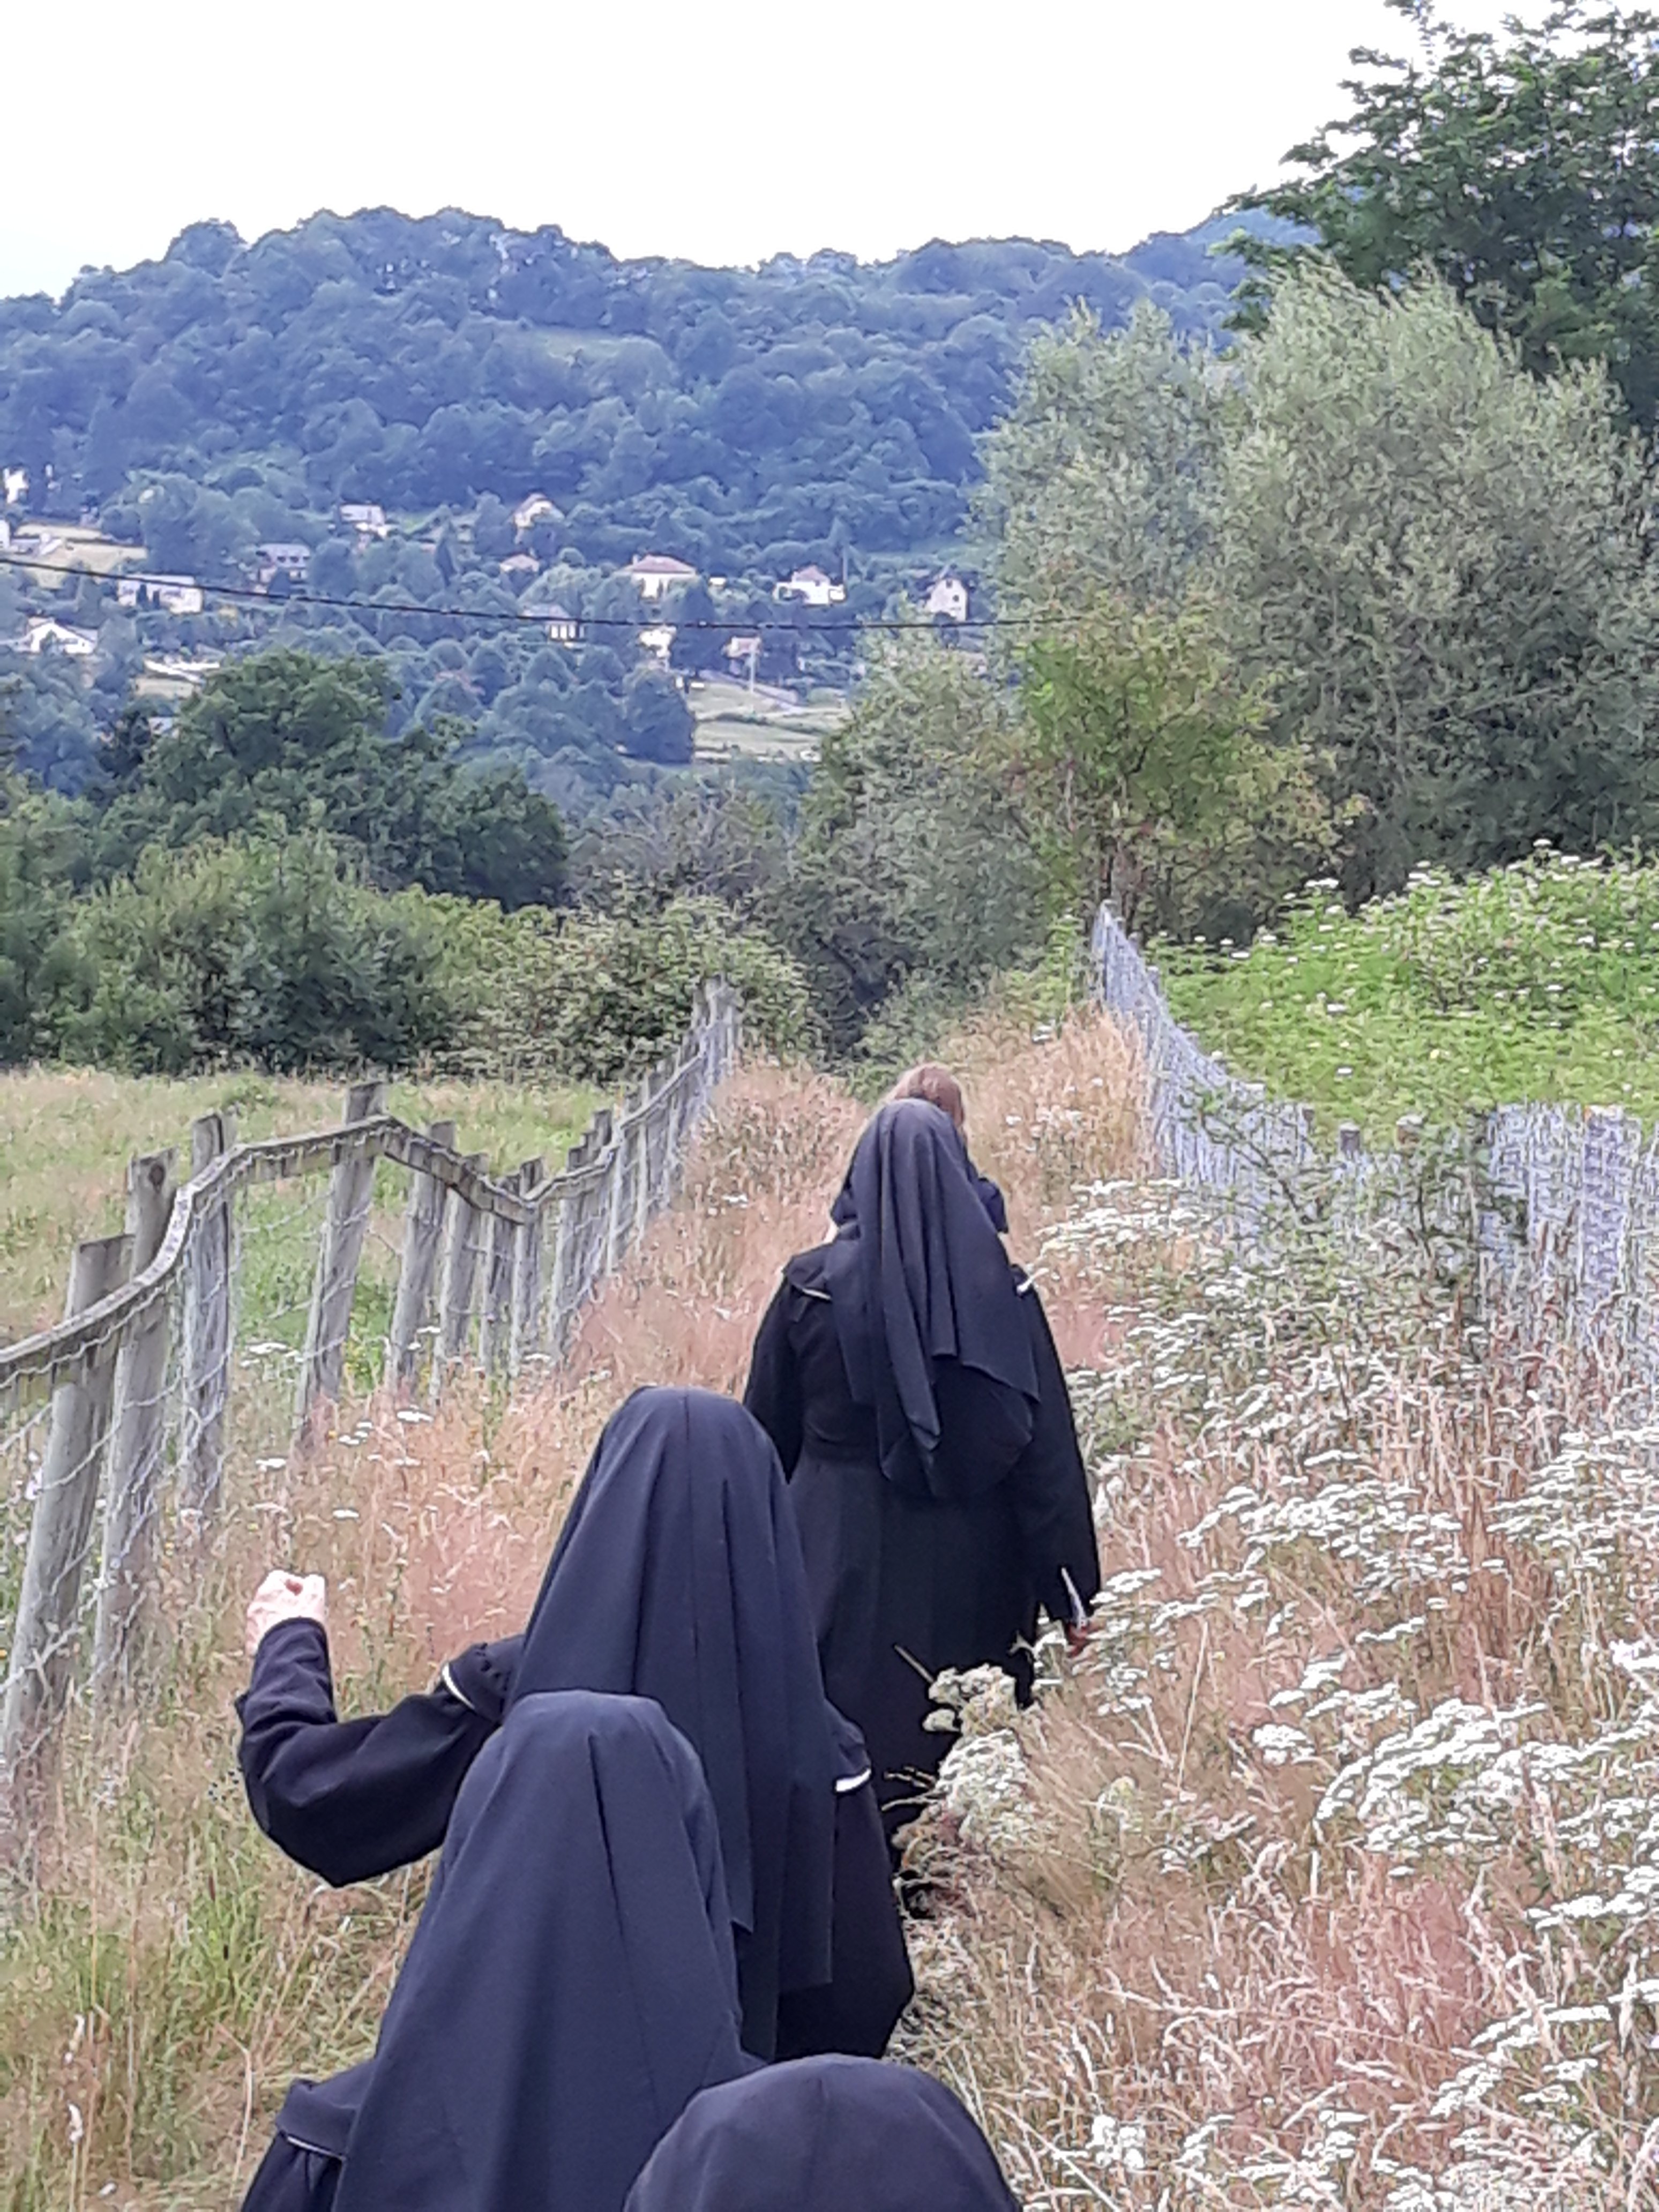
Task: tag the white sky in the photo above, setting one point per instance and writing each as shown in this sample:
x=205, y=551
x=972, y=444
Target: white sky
x=720, y=132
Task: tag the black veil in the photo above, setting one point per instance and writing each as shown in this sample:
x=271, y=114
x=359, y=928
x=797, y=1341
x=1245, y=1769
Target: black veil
x=928, y=1310
x=570, y=1985
x=678, y=1576
x=824, y=2135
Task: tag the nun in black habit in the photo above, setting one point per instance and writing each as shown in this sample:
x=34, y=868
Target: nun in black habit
x=824, y=2135
x=907, y=1375
x=677, y=1577
x=569, y=1987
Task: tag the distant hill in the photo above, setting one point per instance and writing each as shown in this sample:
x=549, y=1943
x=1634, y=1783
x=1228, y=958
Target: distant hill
x=748, y=422
x=738, y=419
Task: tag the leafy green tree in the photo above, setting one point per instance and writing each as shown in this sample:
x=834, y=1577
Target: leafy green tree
x=1441, y=566
x=270, y=950
x=660, y=725
x=1100, y=474
x=1148, y=777
x=284, y=739
x=687, y=838
x=912, y=854
x=1522, y=167
x=41, y=855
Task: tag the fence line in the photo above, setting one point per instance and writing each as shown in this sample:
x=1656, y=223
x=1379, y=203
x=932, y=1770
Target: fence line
x=137, y=1400
x=1562, y=1201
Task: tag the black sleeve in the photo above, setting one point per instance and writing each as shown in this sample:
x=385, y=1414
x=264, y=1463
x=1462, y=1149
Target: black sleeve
x=872, y=1981
x=773, y=1394
x=1050, y=1489
x=353, y=1799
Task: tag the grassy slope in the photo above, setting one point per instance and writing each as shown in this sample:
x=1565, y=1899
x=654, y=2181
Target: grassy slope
x=205, y=1971
x=1538, y=982
x=66, y=1135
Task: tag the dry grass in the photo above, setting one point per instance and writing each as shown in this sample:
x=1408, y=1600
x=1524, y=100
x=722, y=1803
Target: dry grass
x=169, y=1974
x=1324, y=1880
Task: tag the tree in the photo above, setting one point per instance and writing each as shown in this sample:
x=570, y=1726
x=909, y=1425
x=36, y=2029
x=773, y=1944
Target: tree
x=1149, y=779
x=1440, y=565
x=1523, y=169
x=41, y=853
x=283, y=739
x=911, y=855
x=660, y=725
x=1099, y=477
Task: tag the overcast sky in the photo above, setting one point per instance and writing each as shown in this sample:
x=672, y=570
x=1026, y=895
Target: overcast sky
x=720, y=133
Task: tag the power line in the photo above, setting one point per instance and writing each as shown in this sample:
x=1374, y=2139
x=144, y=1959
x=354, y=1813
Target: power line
x=852, y=626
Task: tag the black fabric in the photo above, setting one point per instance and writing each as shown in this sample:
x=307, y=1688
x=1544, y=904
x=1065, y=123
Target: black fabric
x=858, y=2008
x=991, y=1198
x=353, y=1799
x=926, y=1309
x=292, y=2179
x=825, y=2134
x=678, y=1577
x=904, y=1586
x=570, y=1985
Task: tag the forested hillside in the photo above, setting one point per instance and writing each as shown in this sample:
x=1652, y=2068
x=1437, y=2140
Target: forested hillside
x=739, y=419
x=443, y=373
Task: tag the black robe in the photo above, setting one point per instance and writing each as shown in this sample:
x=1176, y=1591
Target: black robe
x=679, y=1577
x=827, y=2135
x=571, y=1985
x=903, y=1585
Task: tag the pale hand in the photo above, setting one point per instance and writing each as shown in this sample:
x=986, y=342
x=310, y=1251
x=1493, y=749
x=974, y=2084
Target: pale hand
x=283, y=1597
x=1077, y=1638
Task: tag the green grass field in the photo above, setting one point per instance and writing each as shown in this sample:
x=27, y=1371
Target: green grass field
x=66, y=1136
x=1540, y=982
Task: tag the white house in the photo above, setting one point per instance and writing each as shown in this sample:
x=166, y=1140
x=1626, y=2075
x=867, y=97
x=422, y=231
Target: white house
x=42, y=635
x=366, y=520
x=811, y=587
x=657, y=573
x=657, y=642
x=282, y=558
x=15, y=485
x=563, y=627
x=182, y=669
x=174, y=595
x=741, y=650
x=520, y=564
x=529, y=511
x=948, y=599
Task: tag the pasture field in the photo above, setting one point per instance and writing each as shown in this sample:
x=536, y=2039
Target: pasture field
x=66, y=1135
x=1538, y=983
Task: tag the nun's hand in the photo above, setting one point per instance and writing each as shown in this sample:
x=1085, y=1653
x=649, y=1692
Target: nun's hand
x=1077, y=1637
x=283, y=1597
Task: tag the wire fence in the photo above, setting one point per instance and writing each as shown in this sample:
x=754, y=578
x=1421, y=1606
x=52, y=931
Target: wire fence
x=1557, y=1206
x=210, y=1340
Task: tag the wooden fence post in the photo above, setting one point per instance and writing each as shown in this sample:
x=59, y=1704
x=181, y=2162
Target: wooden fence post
x=496, y=1330
x=524, y=1328
x=47, y=1629
x=206, y=1327
x=137, y=1441
x=621, y=1213
x=461, y=1268
x=351, y=1191
x=423, y=1230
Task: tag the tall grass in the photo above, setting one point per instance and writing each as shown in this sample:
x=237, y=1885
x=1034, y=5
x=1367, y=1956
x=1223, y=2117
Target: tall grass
x=169, y=1974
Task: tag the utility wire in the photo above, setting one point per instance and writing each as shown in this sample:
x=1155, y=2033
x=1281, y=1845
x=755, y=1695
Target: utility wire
x=851, y=626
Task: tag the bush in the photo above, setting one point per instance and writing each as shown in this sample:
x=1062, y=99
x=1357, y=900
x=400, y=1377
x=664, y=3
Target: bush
x=1537, y=981
x=598, y=997
x=270, y=951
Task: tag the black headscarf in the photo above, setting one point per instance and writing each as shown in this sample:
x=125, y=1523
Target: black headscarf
x=824, y=2135
x=570, y=1985
x=917, y=1276
x=678, y=1577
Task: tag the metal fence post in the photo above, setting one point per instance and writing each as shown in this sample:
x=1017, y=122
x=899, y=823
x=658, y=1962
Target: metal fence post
x=424, y=1228
x=47, y=1629
x=351, y=1191
x=206, y=1326
x=137, y=1441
